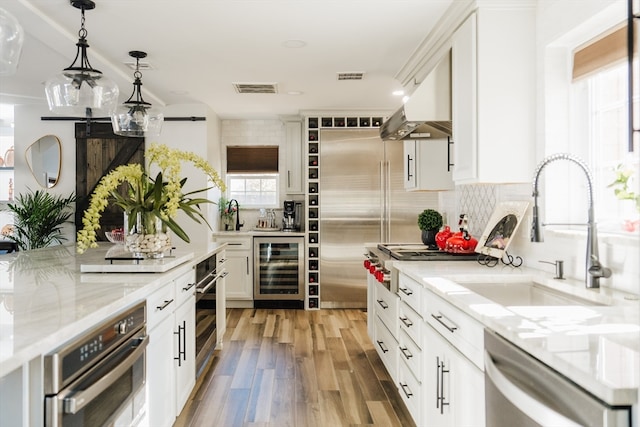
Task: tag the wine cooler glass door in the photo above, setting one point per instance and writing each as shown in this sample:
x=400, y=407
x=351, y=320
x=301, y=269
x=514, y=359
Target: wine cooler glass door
x=278, y=268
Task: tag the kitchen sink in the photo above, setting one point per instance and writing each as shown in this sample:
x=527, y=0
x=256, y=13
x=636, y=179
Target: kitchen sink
x=525, y=293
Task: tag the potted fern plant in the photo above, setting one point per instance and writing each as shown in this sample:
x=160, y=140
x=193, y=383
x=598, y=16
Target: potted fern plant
x=38, y=218
x=430, y=221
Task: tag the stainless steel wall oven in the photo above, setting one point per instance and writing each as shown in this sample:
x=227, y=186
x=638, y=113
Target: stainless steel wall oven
x=279, y=270
x=208, y=273
x=98, y=378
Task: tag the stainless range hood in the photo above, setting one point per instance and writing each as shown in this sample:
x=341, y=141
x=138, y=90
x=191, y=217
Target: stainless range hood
x=427, y=113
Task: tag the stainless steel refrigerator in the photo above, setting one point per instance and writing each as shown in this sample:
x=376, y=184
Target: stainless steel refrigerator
x=362, y=200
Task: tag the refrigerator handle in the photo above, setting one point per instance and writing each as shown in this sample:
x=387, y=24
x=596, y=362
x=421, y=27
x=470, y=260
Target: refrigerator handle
x=387, y=201
x=382, y=201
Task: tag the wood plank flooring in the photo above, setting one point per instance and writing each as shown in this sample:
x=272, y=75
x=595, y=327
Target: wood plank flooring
x=295, y=368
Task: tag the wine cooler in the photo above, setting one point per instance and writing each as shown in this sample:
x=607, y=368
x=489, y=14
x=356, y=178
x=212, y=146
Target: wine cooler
x=278, y=268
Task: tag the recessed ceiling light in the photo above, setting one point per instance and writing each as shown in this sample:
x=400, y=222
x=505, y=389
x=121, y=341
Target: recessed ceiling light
x=398, y=93
x=294, y=44
x=294, y=92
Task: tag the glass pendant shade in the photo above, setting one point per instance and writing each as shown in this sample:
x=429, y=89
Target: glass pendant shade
x=72, y=92
x=11, y=41
x=136, y=121
x=136, y=118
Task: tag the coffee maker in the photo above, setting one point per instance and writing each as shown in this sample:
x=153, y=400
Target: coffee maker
x=291, y=215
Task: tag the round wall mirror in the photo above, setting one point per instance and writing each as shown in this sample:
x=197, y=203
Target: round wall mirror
x=43, y=158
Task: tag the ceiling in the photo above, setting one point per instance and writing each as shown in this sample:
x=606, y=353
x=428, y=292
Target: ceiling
x=198, y=49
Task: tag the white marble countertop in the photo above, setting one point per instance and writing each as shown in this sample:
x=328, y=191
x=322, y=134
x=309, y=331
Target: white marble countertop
x=595, y=346
x=46, y=300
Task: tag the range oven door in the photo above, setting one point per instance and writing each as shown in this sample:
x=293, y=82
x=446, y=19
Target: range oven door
x=522, y=391
x=109, y=394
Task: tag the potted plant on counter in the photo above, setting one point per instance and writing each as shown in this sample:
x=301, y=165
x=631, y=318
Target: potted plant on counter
x=430, y=221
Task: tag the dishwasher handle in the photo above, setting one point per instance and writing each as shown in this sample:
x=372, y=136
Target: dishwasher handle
x=531, y=407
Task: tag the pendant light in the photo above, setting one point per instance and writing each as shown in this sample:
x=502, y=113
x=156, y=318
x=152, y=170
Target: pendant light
x=136, y=117
x=81, y=89
x=11, y=40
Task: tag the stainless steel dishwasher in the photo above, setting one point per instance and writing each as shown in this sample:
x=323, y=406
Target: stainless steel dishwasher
x=522, y=391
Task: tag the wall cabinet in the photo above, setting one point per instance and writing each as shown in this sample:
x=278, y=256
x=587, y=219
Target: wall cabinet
x=293, y=157
x=493, y=95
x=239, y=265
x=427, y=164
x=171, y=362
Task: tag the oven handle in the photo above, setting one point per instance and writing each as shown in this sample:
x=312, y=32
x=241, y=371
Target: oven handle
x=81, y=399
x=533, y=409
x=206, y=287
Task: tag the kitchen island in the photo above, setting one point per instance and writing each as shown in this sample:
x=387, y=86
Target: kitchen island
x=48, y=301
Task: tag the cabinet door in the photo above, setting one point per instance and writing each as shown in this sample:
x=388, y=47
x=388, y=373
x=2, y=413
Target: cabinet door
x=437, y=383
x=464, y=100
x=454, y=390
x=426, y=165
x=160, y=379
x=238, y=281
x=294, y=157
x=184, y=349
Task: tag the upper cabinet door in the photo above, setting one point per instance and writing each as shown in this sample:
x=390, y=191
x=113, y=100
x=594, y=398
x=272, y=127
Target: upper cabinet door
x=294, y=158
x=493, y=94
x=464, y=102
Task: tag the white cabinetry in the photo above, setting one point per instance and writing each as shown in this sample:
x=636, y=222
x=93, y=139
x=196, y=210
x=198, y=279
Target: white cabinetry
x=454, y=388
x=239, y=265
x=426, y=164
x=493, y=94
x=385, y=338
x=171, y=350
x=293, y=157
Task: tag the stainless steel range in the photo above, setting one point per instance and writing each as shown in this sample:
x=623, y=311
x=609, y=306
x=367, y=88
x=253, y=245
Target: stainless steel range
x=379, y=259
x=417, y=252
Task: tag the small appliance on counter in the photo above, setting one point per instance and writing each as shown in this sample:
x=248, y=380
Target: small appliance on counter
x=291, y=216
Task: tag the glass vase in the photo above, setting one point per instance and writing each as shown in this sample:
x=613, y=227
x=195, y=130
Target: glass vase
x=147, y=237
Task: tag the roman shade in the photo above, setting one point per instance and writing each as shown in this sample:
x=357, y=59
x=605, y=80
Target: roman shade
x=252, y=159
x=605, y=50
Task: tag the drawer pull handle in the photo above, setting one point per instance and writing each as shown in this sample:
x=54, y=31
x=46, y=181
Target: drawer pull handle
x=406, y=291
x=382, y=347
x=222, y=261
x=406, y=353
x=439, y=319
x=408, y=323
x=383, y=304
x=164, y=305
x=404, y=388
x=189, y=286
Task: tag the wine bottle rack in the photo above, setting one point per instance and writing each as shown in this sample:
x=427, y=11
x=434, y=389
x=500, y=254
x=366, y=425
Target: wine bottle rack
x=312, y=136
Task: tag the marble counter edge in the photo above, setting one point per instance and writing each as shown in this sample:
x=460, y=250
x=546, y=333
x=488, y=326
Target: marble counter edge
x=614, y=394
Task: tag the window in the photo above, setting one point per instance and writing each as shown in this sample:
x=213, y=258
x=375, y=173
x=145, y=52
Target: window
x=252, y=175
x=254, y=190
x=601, y=136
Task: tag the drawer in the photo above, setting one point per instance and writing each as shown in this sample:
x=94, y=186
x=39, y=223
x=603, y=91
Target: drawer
x=386, y=307
x=411, y=392
x=387, y=347
x=236, y=243
x=411, y=355
x=185, y=287
x=461, y=330
x=411, y=322
x=160, y=304
x=411, y=292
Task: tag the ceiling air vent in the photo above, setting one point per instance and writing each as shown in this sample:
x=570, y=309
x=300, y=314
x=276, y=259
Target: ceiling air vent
x=256, y=87
x=353, y=75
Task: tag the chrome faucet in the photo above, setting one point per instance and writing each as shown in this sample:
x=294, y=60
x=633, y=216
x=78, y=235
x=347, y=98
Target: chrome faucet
x=594, y=269
x=238, y=225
